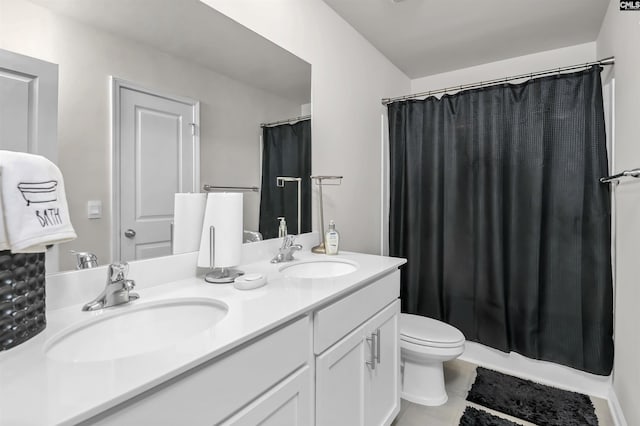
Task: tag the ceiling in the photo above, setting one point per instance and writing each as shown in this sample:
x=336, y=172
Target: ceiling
x=191, y=30
x=425, y=37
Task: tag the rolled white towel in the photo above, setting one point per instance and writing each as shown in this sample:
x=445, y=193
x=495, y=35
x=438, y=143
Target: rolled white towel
x=33, y=204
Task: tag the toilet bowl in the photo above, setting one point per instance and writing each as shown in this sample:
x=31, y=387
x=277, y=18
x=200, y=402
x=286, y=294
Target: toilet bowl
x=425, y=344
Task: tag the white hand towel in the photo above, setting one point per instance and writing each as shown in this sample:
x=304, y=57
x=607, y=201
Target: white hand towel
x=33, y=204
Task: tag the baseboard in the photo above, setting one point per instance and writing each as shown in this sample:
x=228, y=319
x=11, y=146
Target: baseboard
x=547, y=373
x=616, y=409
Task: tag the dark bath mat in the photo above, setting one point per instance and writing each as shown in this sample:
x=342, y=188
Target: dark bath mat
x=527, y=400
x=475, y=417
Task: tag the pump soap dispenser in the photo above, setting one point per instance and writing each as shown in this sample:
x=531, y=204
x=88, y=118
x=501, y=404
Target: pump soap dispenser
x=332, y=239
x=282, y=229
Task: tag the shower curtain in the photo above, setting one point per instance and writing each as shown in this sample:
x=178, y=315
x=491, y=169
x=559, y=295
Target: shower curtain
x=286, y=152
x=496, y=204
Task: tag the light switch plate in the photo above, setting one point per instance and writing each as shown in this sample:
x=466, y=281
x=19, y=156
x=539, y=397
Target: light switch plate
x=94, y=209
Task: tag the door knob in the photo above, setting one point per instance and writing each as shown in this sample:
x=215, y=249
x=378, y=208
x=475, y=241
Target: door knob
x=129, y=233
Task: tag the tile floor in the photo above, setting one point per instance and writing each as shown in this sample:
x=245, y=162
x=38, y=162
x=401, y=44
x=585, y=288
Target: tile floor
x=459, y=376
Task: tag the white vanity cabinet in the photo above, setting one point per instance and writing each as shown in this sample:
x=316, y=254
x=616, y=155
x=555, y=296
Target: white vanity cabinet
x=358, y=374
x=322, y=350
x=268, y=382
x=337, y=365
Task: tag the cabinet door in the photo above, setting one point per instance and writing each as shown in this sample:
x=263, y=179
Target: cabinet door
x=358, y=378
x=383, y=381
x=340, y=381
x=287, y=404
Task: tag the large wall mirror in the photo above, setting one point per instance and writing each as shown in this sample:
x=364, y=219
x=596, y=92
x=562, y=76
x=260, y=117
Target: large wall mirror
x=181, y=50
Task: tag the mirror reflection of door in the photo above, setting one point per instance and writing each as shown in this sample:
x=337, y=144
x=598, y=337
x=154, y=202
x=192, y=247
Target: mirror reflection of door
x=29, y=112
x=286, y=153
x=158, y=147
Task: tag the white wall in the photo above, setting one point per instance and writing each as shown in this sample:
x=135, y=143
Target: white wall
x=349, y=78
x=230, y=111
x=620, y=37
x=509, y=67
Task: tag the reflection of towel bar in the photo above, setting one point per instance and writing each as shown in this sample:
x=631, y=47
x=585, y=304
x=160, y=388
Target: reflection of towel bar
x=280, y=180
x=39, y=192
x=627, y=173
x=212, y=188
x=320, y=180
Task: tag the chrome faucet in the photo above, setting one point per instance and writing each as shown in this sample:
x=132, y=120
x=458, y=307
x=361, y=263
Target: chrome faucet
x=285, y=253
x=85, y=260
x=117, y=291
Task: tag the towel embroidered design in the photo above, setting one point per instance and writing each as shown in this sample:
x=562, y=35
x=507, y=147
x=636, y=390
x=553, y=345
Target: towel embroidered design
x=49, y=217
x=39, y=192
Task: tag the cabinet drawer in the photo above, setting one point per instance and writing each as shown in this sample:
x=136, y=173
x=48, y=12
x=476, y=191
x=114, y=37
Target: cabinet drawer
x=210, y=393
x=335, y=321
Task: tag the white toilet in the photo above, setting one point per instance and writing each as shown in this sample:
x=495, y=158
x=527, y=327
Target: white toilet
x=425, y=344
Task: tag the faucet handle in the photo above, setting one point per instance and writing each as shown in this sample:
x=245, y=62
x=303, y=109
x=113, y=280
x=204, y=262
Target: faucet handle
x=288, y=241
x=118, y=271
x=128, y=285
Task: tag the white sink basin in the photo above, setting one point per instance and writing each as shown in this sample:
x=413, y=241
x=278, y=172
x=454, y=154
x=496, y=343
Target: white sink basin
x=131, y=330
x=325, y=268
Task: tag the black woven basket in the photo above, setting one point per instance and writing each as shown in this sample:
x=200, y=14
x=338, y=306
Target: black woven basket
x=22, y=297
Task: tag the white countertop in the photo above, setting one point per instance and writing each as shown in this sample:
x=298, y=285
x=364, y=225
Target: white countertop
x=38, y=390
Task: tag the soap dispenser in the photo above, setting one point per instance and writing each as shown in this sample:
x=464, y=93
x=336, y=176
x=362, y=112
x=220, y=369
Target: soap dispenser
x=282, y=229
x=332, y=239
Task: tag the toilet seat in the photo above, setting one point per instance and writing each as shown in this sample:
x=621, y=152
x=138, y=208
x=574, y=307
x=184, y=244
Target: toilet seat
x=431, y=344
x=426, y=331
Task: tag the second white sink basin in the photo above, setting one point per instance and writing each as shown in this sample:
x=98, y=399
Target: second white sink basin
x=131, y=330
x=325, y=268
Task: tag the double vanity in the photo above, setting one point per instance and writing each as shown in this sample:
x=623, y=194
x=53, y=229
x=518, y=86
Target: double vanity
x=318, y=344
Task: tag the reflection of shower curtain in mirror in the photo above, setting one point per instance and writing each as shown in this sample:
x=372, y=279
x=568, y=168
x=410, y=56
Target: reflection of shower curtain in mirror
x=286, y=152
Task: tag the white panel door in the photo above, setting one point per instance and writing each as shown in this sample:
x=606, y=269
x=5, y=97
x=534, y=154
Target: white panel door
x=159, y=156
x=29, y=112
x=28, y=105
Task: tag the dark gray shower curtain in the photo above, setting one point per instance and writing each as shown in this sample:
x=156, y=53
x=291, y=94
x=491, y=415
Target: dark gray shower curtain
x=286, y=152
x=496, y=204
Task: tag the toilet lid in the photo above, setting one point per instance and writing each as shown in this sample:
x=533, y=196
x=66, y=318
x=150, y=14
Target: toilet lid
x=428, y=331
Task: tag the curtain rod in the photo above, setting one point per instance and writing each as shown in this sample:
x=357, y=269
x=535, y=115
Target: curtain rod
x=480, y=84
x=287, y=121
x=214, y=188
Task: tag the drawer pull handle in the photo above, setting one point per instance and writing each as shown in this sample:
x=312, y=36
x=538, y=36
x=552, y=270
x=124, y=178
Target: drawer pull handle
x=377, y=335
x=372, y=351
